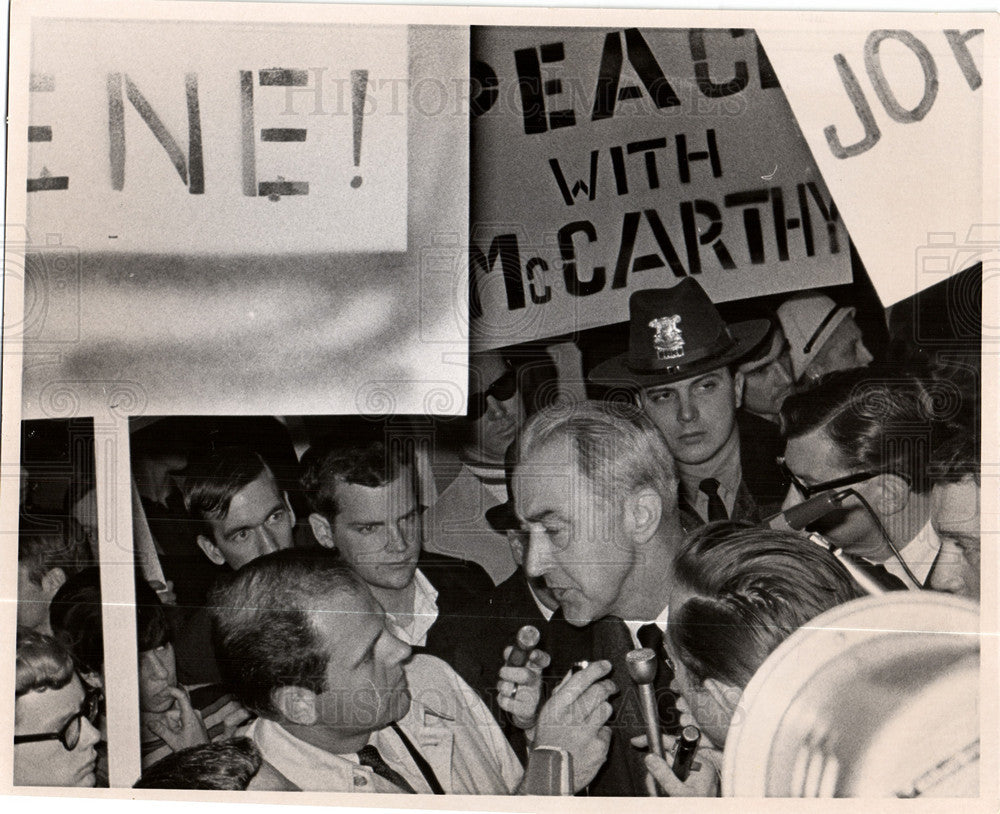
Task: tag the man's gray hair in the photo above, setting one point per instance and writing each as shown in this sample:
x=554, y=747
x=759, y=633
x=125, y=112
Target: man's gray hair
x=617, y=447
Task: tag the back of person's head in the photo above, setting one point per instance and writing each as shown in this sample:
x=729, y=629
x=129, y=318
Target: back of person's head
x=362, y=460
x=879, y=419
x=616, y=446
x=225, y=765
x=956, y=457
x=75, y=617
x=41, y=664
x=40, y=549
x=746, y=589
x=152, y=624
x=212, y=479
x=262, y=626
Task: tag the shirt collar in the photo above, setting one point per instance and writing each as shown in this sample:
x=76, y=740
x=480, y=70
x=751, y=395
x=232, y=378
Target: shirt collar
x=919, y=554
x=633, y=625
x=425, y=613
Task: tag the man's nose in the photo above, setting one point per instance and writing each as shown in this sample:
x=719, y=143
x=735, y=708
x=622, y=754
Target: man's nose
x=536, y=558
x=495, y=409
x=686, y=409
x=267, y=541
x=156, y=666
x=863, y=355
x=395, y=540
x=89, y=734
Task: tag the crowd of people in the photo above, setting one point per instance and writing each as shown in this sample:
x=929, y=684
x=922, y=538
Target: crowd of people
x=342, y=619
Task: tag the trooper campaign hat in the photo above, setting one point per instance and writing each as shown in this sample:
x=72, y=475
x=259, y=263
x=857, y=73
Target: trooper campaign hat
x=674, y=334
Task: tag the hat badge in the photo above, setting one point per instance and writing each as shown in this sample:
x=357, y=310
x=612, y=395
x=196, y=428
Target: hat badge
x=667, y=339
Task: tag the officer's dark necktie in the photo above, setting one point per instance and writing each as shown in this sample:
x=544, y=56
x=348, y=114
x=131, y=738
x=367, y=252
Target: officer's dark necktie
x=716, y=508
x=652, y=637
x=370, y=757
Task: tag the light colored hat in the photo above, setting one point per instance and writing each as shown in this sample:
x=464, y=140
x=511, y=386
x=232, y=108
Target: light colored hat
x=808, y=321
x=878, y=697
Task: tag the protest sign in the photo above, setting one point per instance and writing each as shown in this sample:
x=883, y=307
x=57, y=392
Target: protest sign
x=232, y=137
x=610, y=160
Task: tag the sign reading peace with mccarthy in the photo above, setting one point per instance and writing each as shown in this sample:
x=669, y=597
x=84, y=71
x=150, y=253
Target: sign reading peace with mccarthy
x=607, y=161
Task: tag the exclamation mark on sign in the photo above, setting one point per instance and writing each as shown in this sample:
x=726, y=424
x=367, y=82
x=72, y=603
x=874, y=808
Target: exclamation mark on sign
x=359, y=86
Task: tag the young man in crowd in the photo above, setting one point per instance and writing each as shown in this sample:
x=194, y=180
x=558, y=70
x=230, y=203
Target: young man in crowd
x=241, y=514
x=473, y=482
x=46, y=558
x=865, y=436
x=366, y=507
x=822, y=336
x=174, y=717
x=955, y=513
x=596, y=496
x=343, y=707
x=767, y=375
x=55, y=740
x=682, y=361
x=739, y=592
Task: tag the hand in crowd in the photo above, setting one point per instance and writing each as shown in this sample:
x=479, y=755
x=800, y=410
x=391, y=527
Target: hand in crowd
x=706, y=771
x=181, y=726
x=520, y=688
x=234, y=716
x=574, y=719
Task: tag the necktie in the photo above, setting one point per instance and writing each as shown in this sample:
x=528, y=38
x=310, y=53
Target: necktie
x=370, y=757
x=716, y=508
x=652, y=637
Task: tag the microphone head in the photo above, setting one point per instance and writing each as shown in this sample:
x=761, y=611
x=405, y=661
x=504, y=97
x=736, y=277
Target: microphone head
x=641, y=665
x=528, y=637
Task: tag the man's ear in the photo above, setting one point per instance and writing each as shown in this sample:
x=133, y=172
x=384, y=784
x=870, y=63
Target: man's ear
x=893, y=494
x=211, y=550
x=288, y=505
x=297, y=704
x=643, y=510
x=738, y=381
x=53, y=580
x=725, y=695
x=322, y=530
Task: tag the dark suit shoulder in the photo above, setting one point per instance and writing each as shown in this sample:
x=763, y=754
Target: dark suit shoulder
x=455, y=577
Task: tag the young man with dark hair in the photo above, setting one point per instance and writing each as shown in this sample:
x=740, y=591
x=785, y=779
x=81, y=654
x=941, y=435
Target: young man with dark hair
x=366, y=507
x=240, y=514
x=343, y=707
x=739, y=591
x=244, y=514
x=865, y=436
x=174, y=717
x=682, y=361
x=55, y=738
x=955, y=513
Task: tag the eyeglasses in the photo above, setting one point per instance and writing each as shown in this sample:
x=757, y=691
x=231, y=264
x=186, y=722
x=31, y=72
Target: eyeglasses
x=816, y=488
x=69, y=735
x=501, y=389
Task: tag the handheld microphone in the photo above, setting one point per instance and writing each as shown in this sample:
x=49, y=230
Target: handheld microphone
x=527, y=640
x=684, y=751
x=798, y=517
x=641, y=665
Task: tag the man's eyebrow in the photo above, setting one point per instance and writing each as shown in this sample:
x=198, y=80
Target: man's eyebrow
x=541, y=517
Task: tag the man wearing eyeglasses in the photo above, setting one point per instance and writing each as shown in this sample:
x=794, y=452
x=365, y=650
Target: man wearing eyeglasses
x=54, y=734
x=862, y=438
x=366, y=507
x=494, y=416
